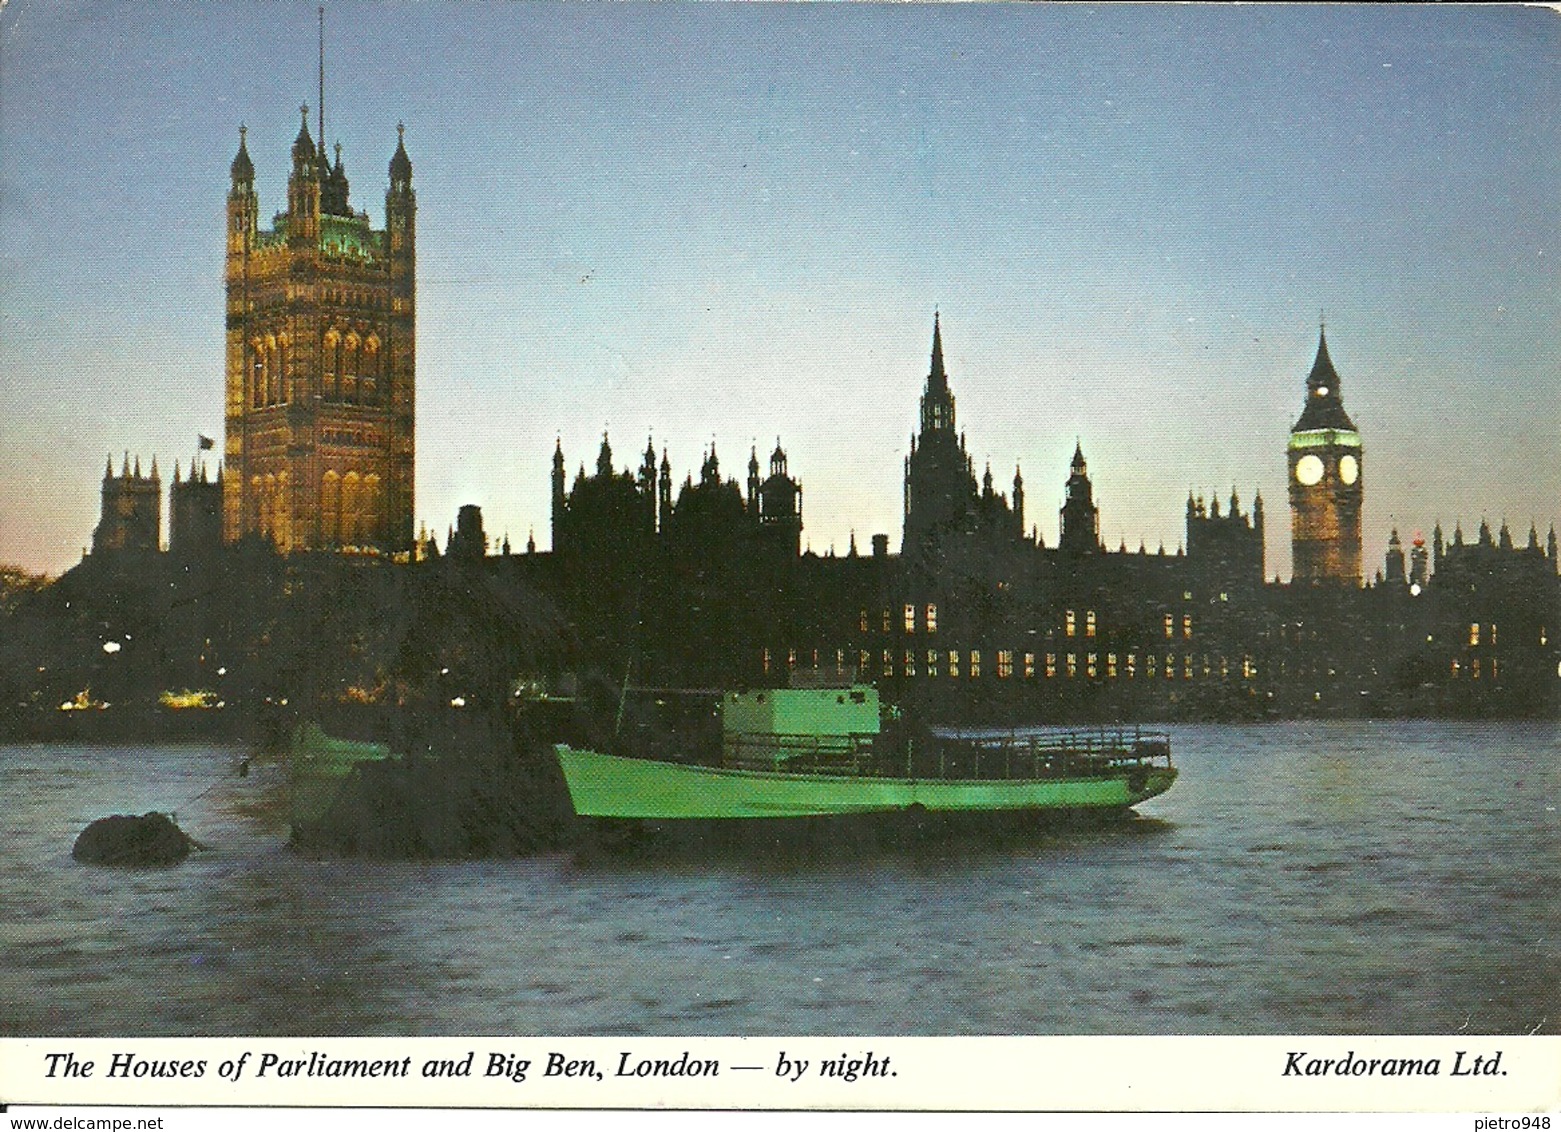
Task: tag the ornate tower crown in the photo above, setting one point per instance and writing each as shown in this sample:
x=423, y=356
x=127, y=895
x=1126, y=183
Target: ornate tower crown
x=1324, y=406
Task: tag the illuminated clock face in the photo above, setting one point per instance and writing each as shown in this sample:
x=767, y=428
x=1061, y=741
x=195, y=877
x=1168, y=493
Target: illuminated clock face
x=1349, y=469
x=1308, y=470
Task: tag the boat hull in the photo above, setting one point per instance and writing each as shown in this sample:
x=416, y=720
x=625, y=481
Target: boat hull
x=610, y=786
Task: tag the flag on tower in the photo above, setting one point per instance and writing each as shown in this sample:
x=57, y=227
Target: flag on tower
x=207, y=443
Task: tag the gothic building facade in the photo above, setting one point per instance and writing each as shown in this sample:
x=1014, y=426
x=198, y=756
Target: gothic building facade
x=975, y=621
x=321, y=359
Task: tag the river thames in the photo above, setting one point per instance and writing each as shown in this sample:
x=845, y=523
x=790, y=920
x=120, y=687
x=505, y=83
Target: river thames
x=1352, y=878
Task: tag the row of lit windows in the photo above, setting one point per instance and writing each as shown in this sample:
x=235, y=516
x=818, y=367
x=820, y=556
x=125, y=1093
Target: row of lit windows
x=1490, y=634
x=930, y=622
x=1473, y=669
x=1072, y=623
x=953, y=662
x=352, y=298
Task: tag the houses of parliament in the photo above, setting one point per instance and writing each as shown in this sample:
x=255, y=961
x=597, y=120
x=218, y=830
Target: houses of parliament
x=705, y=583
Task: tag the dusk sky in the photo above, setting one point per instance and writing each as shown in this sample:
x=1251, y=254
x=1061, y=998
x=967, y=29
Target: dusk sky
x=730, y=223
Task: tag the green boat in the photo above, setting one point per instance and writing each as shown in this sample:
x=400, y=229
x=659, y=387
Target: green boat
x=805, y=753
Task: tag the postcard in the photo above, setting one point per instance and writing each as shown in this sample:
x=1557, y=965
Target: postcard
x=890, y=558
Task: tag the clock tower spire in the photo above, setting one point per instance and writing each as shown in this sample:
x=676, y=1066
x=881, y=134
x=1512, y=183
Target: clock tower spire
x=1324, y=454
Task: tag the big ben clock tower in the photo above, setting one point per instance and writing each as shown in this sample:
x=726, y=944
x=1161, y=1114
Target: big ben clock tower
x=1325, y=483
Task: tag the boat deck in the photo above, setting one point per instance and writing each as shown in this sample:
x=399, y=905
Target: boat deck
x=1074, y=753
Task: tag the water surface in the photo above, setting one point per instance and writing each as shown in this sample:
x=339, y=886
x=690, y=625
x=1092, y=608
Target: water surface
x=1383, y=877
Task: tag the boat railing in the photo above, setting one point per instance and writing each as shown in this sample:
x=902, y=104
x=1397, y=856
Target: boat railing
x=1102, y=752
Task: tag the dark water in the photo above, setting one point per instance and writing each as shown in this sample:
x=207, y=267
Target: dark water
x=1351, y=878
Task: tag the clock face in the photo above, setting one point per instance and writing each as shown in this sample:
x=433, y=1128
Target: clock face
x=1349, y=469
x=1308, y=470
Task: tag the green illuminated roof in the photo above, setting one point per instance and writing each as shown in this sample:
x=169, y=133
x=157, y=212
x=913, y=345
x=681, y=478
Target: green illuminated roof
x=1324, y=438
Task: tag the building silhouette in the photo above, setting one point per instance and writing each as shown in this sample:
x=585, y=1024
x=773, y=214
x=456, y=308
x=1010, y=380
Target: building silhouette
x=195, y=512
x=321, y=359
x=132, y=511
x=942, y=501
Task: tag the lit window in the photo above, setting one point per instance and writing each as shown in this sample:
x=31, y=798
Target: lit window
x=840, y=663
x=1029, y=666
x=1187, y=667
x=864, y=664
x=954, y=663
x=1493, y=668
x=1068, y=626
x=1151, y=665
x=1224, y=668
x=1132, y=665
x=932, y=662
x=1073, y=665
x=1224, y=596
x=1543, y=639
x=1111, y=666
x=791, y=658
x=1089, y=666
x=1474, y=669
x=815, y=658
x=1186, y=625
x=1170, y=668
x=932, y=618
x=1474, y=634
x=766, y=660
x=887, y=623
x=910, y=663
x=1455, y=668
x=910, y=618
x=1089, y=623
x=1206, y=668
x=1170, y=625
x=1493, y=634
x=888, y=663
x=1051, y=665
x=1248, y=669
x=975, y=662
x=864, y=620
x=1005, y=664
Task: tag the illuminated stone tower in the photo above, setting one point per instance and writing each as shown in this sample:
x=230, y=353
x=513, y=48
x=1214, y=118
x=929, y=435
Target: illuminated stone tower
x=321, y=359
x=1325, y=483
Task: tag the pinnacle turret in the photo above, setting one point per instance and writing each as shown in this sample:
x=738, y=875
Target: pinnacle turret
x=243, y=169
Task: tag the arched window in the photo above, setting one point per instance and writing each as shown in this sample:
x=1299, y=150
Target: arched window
x=282, y=530
x=368, y=371
x=257, y=374
x=351, y=504
x=372, y=505
x=273, y=372
x=350, y=370
x=330, y=509
x=330, y=383
x=284, y=354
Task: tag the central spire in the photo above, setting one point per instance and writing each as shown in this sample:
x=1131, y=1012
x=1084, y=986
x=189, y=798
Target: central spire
x=937, y=378
x=937, y=403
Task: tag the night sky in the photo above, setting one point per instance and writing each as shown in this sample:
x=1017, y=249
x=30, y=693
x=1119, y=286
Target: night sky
x=724, y=223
